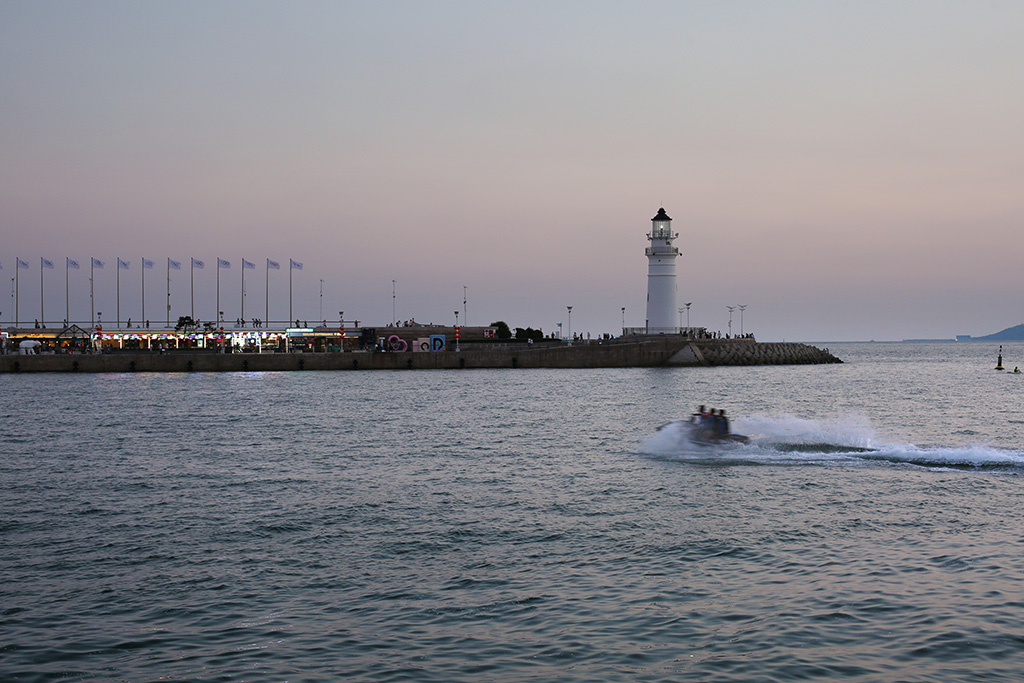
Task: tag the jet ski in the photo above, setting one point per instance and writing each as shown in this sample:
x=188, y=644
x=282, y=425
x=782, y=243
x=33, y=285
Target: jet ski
x=707, y=430
x=708, y=435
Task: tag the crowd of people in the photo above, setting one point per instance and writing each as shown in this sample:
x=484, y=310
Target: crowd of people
x=702, y=333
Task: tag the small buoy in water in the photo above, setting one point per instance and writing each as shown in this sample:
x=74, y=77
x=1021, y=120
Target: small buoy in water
x=999, y=359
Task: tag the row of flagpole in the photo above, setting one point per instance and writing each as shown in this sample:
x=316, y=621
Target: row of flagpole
x=147, y=264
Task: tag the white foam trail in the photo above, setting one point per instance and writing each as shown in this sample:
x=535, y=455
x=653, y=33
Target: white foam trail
x=966, y=456
x=788, y=439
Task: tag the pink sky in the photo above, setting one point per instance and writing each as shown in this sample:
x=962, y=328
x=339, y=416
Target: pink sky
x=846, y=170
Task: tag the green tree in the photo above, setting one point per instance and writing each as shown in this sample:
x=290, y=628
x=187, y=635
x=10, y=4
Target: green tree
x=529, y=333
x=503, y=331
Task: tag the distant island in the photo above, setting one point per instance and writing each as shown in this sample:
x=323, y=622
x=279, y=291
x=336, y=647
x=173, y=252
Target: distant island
x=1015, y=333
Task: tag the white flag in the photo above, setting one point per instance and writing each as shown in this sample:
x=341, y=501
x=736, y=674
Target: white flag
x=47, y=263
x=123, y=265
x=296, y=265
x=22, y=264
x=221, y=263
x=72, y=263
x=146, y=263
x=171, y=263
x=96, y=263
x=196, y=263
x=273, y=265
x=246, y=264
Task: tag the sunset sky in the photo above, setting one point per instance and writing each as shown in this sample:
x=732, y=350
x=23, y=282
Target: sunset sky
x=847, y=170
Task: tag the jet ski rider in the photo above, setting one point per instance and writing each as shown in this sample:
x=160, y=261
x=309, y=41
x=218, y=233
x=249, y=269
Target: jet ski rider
x=717, y=426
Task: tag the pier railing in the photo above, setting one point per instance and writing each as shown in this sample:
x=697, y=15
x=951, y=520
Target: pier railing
x=692, y=332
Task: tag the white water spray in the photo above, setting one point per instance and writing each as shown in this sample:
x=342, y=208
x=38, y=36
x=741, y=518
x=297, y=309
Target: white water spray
x=787, y=439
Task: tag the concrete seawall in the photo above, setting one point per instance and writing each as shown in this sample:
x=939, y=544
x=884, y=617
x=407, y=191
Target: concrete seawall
x=521, y=356
x=649, y=352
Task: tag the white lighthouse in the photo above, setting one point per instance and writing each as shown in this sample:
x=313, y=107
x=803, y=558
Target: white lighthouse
x=661, y=276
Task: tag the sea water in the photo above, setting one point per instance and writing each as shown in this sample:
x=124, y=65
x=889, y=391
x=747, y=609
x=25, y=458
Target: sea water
x=518, y=525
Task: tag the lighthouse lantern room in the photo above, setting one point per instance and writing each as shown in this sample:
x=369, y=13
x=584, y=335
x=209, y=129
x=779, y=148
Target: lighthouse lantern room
x=661, y=276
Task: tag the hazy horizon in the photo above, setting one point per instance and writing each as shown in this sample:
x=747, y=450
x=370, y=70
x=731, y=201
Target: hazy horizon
x=846, y=171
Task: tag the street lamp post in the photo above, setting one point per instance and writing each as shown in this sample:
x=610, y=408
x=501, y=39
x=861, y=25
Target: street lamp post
x=742, y=308
x=730, y=318
x=688, y=313
x=570, y=322
x=456, y=331
x=623, y=320
x=394, y=320
x=321, y=299
x=465, y=312
x=681, y=309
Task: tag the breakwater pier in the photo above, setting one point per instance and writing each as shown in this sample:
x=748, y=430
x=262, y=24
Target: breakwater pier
x=652, y=351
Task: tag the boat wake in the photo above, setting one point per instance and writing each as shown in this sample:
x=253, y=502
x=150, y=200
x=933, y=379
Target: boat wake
x=851, y=441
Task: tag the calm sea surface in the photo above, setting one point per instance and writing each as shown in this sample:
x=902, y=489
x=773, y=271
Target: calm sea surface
x=518, y=525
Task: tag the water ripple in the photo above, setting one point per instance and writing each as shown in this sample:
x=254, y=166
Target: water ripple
x=412, y=526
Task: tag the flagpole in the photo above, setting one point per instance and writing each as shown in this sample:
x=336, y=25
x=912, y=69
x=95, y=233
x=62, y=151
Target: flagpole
x=268, y=291
x=243, y=291
x=118, y=292
x=42, y=318
x=17, y=288
x=217, y=317
x=192, y=274
x=67, y=292
x=290, y=269
x=168, y=291
x=92, y=299
x=143, y=290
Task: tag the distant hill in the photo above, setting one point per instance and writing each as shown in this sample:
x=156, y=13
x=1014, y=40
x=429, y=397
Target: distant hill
x=1015, y=333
